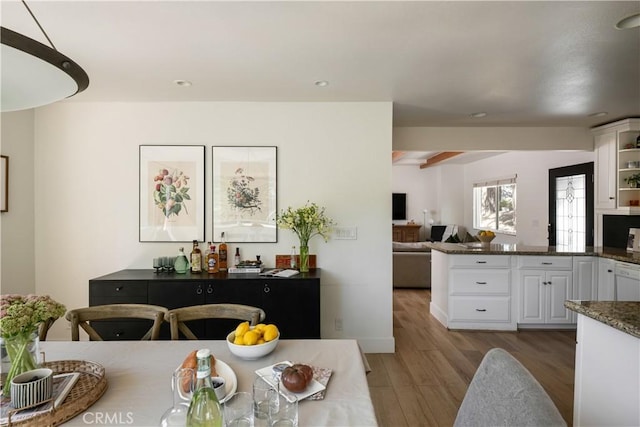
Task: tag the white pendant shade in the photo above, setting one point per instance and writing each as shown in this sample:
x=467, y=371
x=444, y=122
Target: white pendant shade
x=34, y=74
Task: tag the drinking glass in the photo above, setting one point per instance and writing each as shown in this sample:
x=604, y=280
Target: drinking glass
x=182, y=383
x=283, y=412
x=262, y=393
x=238, y=410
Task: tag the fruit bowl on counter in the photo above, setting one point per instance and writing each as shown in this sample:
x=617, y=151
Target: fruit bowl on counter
x=253, y=342
x=486, y=237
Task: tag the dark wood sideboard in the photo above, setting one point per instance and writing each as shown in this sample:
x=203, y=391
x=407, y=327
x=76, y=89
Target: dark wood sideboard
x=292, y=304
x=406, y=233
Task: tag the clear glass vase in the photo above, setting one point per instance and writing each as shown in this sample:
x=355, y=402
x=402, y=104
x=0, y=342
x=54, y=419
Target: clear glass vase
x=20, y=353
x=304, y=258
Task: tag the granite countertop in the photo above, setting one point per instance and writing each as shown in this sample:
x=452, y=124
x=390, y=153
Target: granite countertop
x=621, y=315
x=517, y=249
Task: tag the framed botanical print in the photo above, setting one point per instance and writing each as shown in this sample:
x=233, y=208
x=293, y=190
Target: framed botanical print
x=4, y=184
x=244, y=194
x=172, y=193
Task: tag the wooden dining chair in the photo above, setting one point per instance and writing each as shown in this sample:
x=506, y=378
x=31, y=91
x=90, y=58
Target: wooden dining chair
x=43, y=328
x=178, y=316
x=80, y=318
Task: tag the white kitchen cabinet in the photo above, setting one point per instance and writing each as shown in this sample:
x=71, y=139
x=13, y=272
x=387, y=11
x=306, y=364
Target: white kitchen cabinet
x=542, y=297
x=616, y=158
x=606, y=391
x=545, y=283
x=585, y=284
x=473, y=291
x=606, y=279
x=605, y=170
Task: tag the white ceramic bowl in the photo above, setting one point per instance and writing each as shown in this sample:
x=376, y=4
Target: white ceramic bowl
x=250, y=352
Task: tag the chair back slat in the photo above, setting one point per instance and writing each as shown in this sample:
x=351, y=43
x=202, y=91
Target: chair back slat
x=178, y=316
x=81, y=317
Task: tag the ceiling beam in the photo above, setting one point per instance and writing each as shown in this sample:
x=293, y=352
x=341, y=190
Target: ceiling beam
x=440, y=157
x=397, y=155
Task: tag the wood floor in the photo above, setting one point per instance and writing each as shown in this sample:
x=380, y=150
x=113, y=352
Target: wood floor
x=424, y=381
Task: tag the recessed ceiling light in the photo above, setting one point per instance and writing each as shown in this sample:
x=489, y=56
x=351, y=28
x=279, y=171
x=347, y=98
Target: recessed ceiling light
x=321, y=83
x=632, y=21
x=479, y=115
x=598, y=114
x=183, y=83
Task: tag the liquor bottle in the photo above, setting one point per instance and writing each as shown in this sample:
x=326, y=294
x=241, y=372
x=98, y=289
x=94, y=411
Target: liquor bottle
x=292, y=263
x=205, y=257
x=204, y=409
x=196, y=258
x=222, y=254
x=236, y=258
x=213, y=264
x=181, y=264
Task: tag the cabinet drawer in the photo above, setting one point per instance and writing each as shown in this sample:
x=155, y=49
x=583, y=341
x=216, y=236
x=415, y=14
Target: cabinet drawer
x=480, y=282
x=546, y=262
x=116, y=330
x=480, y=309
x=480, y=261
x=118, y=288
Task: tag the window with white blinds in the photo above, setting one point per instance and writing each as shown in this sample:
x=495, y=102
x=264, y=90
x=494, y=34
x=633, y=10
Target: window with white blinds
x=494, y=205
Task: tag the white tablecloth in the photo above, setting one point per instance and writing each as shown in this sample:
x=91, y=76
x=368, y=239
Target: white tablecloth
x=139, y=377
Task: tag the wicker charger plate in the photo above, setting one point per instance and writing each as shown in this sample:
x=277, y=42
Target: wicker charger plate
x=90, y=386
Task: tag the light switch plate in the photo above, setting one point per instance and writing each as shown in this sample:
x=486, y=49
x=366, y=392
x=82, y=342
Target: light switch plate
x=345, y=233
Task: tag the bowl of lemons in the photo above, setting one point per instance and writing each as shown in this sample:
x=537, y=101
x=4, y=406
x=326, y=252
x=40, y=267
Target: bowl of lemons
x=253, y=342
x=486, y=236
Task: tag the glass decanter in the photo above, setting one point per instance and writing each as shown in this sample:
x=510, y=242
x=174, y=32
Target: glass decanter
x=182, y=382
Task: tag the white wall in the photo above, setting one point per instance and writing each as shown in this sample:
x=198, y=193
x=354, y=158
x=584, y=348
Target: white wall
x=532, y=199
x=448, y=189
x=17, y=262
x=335, y=154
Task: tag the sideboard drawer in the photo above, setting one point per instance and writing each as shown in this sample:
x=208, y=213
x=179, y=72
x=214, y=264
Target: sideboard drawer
x=480, y=261
x=483, y=309
x=122, y=330
x=118, y=288
x=480, y=282
x=546, y=262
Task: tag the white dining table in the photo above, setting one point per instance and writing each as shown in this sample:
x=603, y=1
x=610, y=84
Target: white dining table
x=139, y=378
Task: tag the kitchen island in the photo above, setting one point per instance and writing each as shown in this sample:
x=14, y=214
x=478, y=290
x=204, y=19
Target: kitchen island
x=607, y=372
x=506, y=287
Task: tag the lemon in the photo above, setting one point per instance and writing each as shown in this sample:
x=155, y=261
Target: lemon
x=270, y=332
x=238, y=341
x=241, y=329
x=261, y=341
x=250, y=338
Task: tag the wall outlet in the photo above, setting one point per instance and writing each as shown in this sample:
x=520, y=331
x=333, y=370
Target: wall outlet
x=338, y=324
x=345, y=233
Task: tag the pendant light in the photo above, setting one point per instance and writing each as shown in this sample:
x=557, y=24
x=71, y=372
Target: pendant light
x=34, y=74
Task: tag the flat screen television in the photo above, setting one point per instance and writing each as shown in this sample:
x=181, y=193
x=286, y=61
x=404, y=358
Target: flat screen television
x=399, y=206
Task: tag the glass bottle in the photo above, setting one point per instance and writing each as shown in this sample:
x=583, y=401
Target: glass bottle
x=236, y=258
x=292, y=263
x=196, y=258
x=222, y=253
x=204, y=409
x=212, y=260
x=181, y=385
x=205, y=257
x=181, y=264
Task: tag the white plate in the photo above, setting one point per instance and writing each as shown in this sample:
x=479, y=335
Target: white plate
x=230, y=379
x=267, y=374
